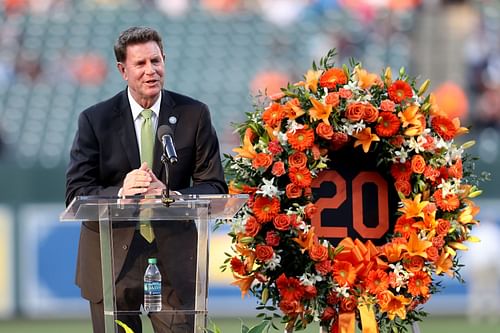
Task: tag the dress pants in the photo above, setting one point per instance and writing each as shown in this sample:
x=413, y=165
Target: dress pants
x=130, y=295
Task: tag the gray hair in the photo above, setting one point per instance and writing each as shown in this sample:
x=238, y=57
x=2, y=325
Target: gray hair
x=135, y=35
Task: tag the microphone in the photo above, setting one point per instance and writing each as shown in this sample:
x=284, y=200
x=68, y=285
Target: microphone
x=165, y=135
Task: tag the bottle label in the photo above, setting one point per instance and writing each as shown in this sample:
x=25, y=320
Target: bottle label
x=152, y=288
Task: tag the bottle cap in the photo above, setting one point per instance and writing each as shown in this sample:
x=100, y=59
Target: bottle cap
x=152, y=261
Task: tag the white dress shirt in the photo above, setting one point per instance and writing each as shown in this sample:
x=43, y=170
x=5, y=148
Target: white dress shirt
x=136, y=115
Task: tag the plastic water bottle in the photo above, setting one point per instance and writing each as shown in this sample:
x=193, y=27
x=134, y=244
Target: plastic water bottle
x=152, y=287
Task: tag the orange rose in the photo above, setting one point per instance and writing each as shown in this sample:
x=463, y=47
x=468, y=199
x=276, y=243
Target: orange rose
x=348, y=304
x=290, y=306
x=264, y=252
x=318, y=253
x=418, y=164
x=384, y=298
x=252, y=227
x=339, y=140
x=456, y=170
x=432, y=253
x=333, y=99
x=262, y=160
x=403, y=186
x=293, y=191
x=332, y=298
x=414, y=264
x=387, y=105
x=328, y=314
x=397, y=141
x=310, y=210
x=316, y=152
x=278, y=169
x=370, y=113
x=443, y=227
x=297, y=160
x=324, y=267
x=355, y=111
x=310, y=292
x=345, y=93
x=272, y=238
x=282, y=222
x=324, y=130
x=438, y=241
x=274, y=147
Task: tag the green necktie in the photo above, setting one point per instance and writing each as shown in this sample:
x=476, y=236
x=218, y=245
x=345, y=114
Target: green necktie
x=147, y=142
x=147, y=137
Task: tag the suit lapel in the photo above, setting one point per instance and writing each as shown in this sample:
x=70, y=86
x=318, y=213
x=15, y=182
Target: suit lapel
x=167, y=112
x=126, y=132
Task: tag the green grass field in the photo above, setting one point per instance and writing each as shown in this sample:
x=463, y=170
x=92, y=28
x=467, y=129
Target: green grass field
x=232, y=325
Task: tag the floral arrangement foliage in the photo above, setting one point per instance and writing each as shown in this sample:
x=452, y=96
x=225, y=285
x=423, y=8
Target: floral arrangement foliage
x=289, y=140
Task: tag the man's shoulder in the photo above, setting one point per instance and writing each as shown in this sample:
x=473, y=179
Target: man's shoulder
x=180, y=99
x=108, y=104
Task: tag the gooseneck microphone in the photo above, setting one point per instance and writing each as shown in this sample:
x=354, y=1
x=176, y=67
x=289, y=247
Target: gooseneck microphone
x=166, y=136
x=168, y=156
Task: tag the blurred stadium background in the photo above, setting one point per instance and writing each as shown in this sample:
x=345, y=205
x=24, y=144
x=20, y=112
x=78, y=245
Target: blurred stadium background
x=56, y=59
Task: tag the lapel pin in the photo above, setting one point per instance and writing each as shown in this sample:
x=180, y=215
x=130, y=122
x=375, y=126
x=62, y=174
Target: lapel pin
x=172, y=120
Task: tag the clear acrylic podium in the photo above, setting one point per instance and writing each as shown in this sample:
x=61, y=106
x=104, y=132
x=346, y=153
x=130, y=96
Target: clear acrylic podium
x=117, y=217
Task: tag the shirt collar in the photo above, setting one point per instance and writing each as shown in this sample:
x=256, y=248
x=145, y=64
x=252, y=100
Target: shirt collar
x=137, y=109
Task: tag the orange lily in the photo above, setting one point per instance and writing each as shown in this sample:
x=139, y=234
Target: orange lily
x=460, y=130
x=413, y=208
x=270, y=131
x=240, y=188
x=410, y=116
x=248, y=254
x=320, y=111
x=247, y=150
x=365, y=138
x=393, y=305
x=428, y=223
x=416, y=246
x=388, y=76
x=365, y=79
x=466, y=216
x=414, y=130
x=443, y=264
x=305, y=239
x=244, y=283
x=293, y=109
x=312, y=79
x=393, y=251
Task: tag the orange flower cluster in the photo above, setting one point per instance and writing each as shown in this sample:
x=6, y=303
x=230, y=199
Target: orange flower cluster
x=287, y=143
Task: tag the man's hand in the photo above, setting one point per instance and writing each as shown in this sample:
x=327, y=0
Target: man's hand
x=156, y=187
x=137, y=181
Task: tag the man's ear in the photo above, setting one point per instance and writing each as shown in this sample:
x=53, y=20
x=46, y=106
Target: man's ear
x=121, y=69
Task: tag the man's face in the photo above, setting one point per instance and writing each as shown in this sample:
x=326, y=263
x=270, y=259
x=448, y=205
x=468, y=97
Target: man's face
x=144, y=70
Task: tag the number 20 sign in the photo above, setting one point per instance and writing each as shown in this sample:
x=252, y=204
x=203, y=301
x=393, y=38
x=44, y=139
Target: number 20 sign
x=358, y=204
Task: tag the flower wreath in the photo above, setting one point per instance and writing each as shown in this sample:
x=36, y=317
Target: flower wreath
x=289, y=140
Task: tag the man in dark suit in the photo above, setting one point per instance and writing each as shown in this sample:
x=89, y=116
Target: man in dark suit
x=108, y=158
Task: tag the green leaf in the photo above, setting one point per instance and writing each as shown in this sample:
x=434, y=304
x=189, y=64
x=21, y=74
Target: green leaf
x=259, y=328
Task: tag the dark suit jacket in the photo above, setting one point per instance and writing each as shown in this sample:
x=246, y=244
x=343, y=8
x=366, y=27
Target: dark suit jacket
x=105, y=149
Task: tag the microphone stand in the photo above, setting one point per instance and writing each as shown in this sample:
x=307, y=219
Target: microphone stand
x=165, y=195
